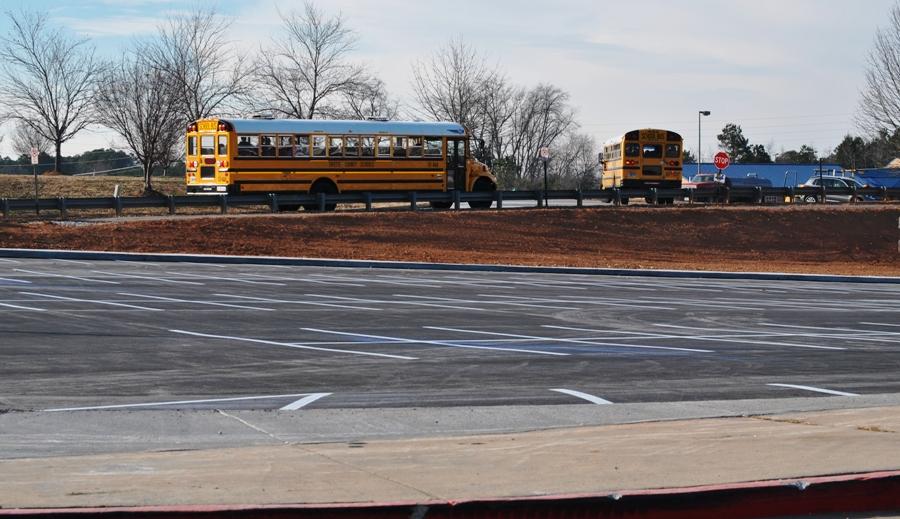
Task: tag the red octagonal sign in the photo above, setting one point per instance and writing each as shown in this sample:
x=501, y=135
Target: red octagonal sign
x=722, y=160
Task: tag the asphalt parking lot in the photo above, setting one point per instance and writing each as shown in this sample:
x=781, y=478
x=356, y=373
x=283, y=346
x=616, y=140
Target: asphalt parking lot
x=91, y=335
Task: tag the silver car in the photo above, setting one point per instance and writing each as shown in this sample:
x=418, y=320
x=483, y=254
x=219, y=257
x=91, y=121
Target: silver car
x=833, y=182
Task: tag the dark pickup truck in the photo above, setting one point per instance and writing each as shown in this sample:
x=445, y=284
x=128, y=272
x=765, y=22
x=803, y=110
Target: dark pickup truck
x=713, y=186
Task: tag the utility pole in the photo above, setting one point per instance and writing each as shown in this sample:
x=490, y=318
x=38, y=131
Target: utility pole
x=701, y=113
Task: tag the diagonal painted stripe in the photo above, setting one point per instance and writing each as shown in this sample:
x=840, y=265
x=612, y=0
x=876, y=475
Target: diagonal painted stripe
x=571, y=341
x=289, y=345
x=108, y=303
x=22, y=307
x=303, y=402
x=584, y=396
x=11, y=280
x=180, y=402
x=815, y=389
x=450, y=344
x=49, y=274
x=174, y=300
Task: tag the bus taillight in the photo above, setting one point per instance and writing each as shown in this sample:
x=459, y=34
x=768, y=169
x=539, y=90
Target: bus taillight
x=192, y=127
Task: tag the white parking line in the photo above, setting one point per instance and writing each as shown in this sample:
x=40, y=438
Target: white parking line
x=744, y=341
x=854, y=330
x=370, y=280
x=150, y=278
x=16, y=281
x=305, y=280
x=4, y=260
x=582, y=300
x=815, y=389
x=294, y=302
x=74, y=261
x=303, y=402
x=390, y=302
x=108, y=303
x=217, y=278
x=488, y=302
x=174, y=300
x=433, y=342
x=881, y=324
x=292, y=345
x=181, y=402
x=572, y=341
x=18, y=307
x=49, y=274
x=584, y=396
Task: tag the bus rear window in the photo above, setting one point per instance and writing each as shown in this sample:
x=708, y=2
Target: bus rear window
x=632, y=149
x=652, y=151
x=207, y=145
x=192, y=145
x=673, y=151
x=223, y=145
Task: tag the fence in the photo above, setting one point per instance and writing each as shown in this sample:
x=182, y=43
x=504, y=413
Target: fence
x=322, y=201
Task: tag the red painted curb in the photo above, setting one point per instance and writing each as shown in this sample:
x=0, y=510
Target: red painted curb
x=847, y=493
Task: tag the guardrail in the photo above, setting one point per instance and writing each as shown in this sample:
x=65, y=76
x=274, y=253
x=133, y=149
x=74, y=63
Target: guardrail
x=322, y=201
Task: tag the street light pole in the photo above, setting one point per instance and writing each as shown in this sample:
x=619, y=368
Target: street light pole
x=701, y=113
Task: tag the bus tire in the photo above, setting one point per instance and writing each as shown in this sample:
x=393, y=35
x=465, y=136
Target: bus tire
x=322, y=186
x=440, y=205
x=482, y=185
x=624, y=200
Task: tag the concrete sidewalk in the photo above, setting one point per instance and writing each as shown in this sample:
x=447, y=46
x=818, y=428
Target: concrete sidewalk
x=583, y=460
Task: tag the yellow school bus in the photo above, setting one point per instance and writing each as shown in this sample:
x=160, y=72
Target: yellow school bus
x=241, y=156
x=642, y=159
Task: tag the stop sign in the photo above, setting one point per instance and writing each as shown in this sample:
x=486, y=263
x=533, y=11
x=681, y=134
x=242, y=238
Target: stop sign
x=722, y=160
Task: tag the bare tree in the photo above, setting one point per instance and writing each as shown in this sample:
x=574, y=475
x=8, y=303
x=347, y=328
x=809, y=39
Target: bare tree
x=25, y=137
x=451, y=85
x=369, y=98
x=48, y=79
x=307, y=67
x=542, y=116
x=574, y=164
x=880, y=99
x=200, y=63
x=138, y=102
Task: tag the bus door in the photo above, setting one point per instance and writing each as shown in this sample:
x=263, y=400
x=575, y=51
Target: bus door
x=456, y=164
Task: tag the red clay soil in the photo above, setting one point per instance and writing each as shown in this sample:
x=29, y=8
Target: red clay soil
x=842, y=240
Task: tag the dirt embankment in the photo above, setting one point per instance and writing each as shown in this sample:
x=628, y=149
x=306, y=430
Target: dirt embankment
x=846, y=240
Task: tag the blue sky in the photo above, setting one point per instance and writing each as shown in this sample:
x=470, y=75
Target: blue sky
x=788, y=71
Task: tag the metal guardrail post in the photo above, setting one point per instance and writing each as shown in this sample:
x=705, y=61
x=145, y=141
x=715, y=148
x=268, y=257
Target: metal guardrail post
x=824, y=195
x=456, y=200
x=498, y=195
x=61, y=205
x=727, y=195
x=691, y=196
x=118, y=205
x=367, y=196
x=4, y=207
x=758, y=195
x=321, y=198
x=170, y=199
x=654, y=196
x=579, y=199
x=884, y=197
x=853, y=193
x=273, y=202
x=223, y=204
x=413, y=201
x=617, y=197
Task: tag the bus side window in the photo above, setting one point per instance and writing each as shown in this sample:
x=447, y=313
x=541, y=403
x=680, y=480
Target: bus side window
x=351, y=146
x=335, y=146
x=223, y=146
x=192, y=145
x=416, y=146
x=267, y=146
x=302, y=149
x=673, y=151
x=632, y=149
x=285, y=146
x=433, y=148
x=384, y=146
x=248, y=146
x=318, y=145
x=368, y=147
x=399, y=146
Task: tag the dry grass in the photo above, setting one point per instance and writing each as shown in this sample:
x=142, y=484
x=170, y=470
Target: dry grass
x=53, y=186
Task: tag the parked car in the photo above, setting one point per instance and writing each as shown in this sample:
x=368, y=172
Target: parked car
x=717, y=181
x=833, y=182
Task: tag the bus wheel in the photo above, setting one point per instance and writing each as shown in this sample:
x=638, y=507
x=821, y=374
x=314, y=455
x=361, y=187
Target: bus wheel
x=624, y=200
x=322, y=186
x=440, y=205
x=482, y=185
